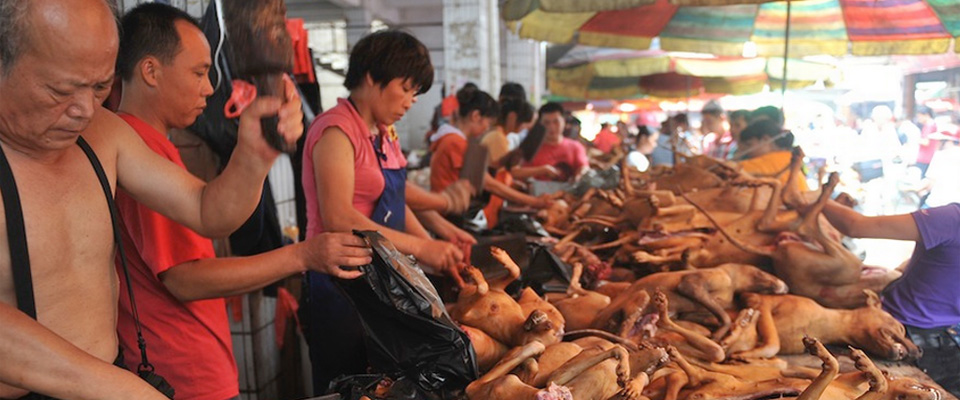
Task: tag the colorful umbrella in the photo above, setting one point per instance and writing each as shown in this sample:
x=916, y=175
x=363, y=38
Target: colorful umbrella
x=602, y=73
x=832, y=27
x=516, y=9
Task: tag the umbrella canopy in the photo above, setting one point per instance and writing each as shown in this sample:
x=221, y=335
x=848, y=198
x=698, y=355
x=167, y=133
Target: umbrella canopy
x=603, y=73
x=832, y=27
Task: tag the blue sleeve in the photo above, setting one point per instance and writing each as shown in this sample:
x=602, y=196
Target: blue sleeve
x=938, y=225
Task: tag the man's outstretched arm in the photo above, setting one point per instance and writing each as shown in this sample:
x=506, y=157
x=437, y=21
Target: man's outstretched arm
x=854, y=224
x=217, y=208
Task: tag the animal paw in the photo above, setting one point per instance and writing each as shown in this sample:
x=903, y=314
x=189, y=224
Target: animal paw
x=815, y=348
x=628, y=393
x=865, y=364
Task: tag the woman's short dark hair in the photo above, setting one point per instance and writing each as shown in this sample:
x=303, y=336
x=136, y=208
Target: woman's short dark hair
x=521, y=108
x=149, y=30
x=470, y=99
x=767, y=112
x=388, y=55
x=767, y=128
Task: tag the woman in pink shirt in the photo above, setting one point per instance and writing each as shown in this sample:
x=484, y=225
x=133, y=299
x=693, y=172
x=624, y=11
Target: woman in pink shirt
x=354, y=177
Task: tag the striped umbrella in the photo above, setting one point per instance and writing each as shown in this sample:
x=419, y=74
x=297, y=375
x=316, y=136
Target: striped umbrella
x=832, y=27
x=584, y=72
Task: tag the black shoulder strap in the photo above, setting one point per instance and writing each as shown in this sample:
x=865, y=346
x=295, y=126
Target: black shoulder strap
x=115, y=219
x=17, y=239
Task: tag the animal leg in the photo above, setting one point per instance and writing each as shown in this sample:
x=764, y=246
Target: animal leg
x=693, y=287
x=710, y=350
x=810, y=226
x=695, y=375
x=792, y=197
x=573, y=368
x=575, y=289
x=830, y=369
x=511, y=360
x=634, y=389
x=878, y=383
x=503, y=258
x=630, y=237
x=766, y=330
x=674, y=381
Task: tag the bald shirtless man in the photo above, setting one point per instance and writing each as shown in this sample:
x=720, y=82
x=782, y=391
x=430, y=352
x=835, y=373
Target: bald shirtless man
x=56, y=66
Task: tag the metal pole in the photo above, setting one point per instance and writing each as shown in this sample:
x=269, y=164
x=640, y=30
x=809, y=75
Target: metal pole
x=786, y=55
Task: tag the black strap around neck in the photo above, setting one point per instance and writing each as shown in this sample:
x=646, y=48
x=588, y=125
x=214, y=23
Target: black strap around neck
x=20, y=258
x=17, y=238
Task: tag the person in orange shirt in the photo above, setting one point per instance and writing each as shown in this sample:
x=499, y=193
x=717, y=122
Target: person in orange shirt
x=476, y=113
x=767, y=151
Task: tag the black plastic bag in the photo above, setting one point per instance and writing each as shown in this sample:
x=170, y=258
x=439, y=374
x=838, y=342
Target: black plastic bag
x=408, y=333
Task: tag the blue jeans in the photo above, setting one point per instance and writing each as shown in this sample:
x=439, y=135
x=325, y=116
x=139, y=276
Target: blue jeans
x=941, y=356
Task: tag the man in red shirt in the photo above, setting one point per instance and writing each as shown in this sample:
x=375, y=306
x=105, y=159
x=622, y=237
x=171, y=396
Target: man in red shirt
x=559, y=158
x=164, y=62
x=606, y=140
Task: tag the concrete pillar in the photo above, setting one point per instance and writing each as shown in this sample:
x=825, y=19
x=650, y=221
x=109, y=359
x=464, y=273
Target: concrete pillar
x=523, y=63
x=471, y=44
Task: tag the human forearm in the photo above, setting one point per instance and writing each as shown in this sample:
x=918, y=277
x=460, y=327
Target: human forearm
x=230, y=276
x=525, y=172
x=510, y=194
x=419, y=199
x=36, y=359
x=853, y=224
x=414, y=227
x=845, y=219
x=353, y=220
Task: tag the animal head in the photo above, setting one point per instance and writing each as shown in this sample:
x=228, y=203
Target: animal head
x=910, y=389
x=538, y=327
x=649, y=358
x=747, y=278
x=553, y=215
x=881, y=334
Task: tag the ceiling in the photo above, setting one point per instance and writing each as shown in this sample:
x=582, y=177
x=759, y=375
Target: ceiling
x=393, y=12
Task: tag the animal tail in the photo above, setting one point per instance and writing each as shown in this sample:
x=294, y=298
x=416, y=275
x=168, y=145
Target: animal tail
x=736, y=242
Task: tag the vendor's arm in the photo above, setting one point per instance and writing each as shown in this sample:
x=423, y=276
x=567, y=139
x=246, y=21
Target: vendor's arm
x=333, y=167
x=419, y=199
x=541, y=171
x=217, y=208
x=36, y=359
x=512, y=195
x=439, y=225
x=854, y=224
x=229, y=276
x=414, y=227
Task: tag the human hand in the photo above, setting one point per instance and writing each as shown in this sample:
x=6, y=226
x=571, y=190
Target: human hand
x=330, y=252
x=549, y=172
x=457, y=196
x=457, y=236
x=290, y=126
x=442, y=257
x=544, y=201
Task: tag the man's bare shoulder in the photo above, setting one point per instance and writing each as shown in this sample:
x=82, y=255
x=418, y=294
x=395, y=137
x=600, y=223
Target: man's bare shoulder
x=108, y=132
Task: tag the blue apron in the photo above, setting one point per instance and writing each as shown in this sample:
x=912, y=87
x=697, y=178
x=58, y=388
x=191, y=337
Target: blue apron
x=332, y=327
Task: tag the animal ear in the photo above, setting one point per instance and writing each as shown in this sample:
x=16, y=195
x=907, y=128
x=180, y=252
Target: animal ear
x=873, y=300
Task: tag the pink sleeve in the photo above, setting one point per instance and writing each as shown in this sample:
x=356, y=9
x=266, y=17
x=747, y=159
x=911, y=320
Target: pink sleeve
x=319, y=125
